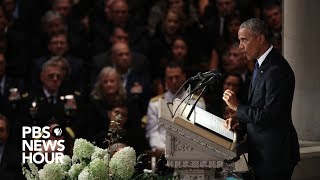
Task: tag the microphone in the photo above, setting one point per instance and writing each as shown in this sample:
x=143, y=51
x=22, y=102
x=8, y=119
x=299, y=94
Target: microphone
x=204, y=75
x=213, y=78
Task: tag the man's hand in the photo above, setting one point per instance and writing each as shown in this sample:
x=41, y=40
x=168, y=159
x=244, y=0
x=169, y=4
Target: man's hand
x=231, y=123
x=231, y=99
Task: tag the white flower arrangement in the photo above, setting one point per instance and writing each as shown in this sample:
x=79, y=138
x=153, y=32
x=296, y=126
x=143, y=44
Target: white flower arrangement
x=122, y=163
x=88, y=163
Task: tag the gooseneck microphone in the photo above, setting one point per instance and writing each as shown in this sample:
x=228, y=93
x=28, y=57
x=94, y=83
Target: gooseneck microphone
x=208, y=79
x=204, y=75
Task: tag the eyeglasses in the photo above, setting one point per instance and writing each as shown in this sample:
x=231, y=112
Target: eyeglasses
x=53, y=75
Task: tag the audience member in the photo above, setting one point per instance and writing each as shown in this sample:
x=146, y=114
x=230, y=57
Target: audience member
x=107, y=90
x=10, y=156
x=119, y=35
x=215, y=104
x=77, y=27
x=109, y=97
x=121, y=120
x=116, y=14
x=15, y=44
x=189, y=15
x=174, y=78
x=50, y=101
x=272, y=14
x=214, y=29
x=236, y=63
x=58, y=45
x=135, y=77
x=10, y=91
x=161, y=43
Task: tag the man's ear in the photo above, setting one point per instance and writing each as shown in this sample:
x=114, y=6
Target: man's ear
x=262, y=39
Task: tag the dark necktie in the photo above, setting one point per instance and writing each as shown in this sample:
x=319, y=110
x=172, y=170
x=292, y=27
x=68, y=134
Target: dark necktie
x=51, y=99
x=255, y=72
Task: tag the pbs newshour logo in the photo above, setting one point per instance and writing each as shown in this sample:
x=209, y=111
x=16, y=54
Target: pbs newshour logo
x=42, y=144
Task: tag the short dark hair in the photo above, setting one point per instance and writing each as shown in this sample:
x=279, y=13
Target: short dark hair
x=121, y=102
x=271, y=4
x=257, y=26
x=175, y=64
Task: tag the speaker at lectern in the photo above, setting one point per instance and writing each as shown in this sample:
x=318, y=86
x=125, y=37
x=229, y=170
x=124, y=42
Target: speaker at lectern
x=201, y=122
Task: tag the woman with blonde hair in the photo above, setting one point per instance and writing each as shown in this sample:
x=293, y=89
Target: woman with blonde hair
x=108, y=85
x=107, y=90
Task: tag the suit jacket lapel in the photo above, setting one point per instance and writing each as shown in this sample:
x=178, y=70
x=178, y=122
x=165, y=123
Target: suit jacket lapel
x=260, y=73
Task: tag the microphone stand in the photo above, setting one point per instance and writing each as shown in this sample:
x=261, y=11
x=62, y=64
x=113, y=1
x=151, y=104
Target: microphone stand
x=195, y=103
x=181, y=103
x=200, y=86
x=175, y=95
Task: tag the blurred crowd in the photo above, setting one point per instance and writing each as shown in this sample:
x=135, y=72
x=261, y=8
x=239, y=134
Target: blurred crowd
x=84, y=64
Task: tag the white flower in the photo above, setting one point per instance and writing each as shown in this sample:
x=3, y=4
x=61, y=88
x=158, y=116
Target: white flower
x=82, y=150
x=147, y=171
x=98, y=169
x=87, y=163
x=84, y=175
x=31, y=174
x=122, y=163
x=106, y=159
x=34, y=169
x=75, y=170
x=99, y=153
x=66, y=162
x=52, y=171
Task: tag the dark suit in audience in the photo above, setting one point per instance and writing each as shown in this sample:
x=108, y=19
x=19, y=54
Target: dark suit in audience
x=10, y=156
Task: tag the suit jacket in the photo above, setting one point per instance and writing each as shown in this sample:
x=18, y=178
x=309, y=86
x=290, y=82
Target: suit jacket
x=138, y=73
x=46, y=111
x=11, y=108
x=272, y=139
x=104, y=59
x=10, y=165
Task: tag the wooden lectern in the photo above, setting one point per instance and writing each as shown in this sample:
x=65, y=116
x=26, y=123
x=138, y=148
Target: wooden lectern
x=194, y=148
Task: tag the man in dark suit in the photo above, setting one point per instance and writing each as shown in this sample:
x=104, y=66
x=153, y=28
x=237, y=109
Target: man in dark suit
x=10, y=156
x=133, y=72
x=272, y=139
x=119, y=35
x=10, y=88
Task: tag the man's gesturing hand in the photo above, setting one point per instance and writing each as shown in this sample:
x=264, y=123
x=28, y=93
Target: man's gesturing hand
x=231, y=123
x=231, y=99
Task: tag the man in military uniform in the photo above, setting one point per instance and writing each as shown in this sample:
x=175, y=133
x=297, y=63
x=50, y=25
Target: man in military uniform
x=51, y=103
x=174, y=78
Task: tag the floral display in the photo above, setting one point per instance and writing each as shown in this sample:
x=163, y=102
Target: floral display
x=87, y=163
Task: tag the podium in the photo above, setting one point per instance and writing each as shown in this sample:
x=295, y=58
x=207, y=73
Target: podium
x=193, y=151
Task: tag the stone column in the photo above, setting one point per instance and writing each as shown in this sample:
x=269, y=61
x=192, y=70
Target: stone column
x=301, y=47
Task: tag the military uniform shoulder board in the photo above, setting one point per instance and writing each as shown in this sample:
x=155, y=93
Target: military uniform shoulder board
x=194, y=97
x=77, y=93
x=94, y=97
x=156, y=98
x=25, y=95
